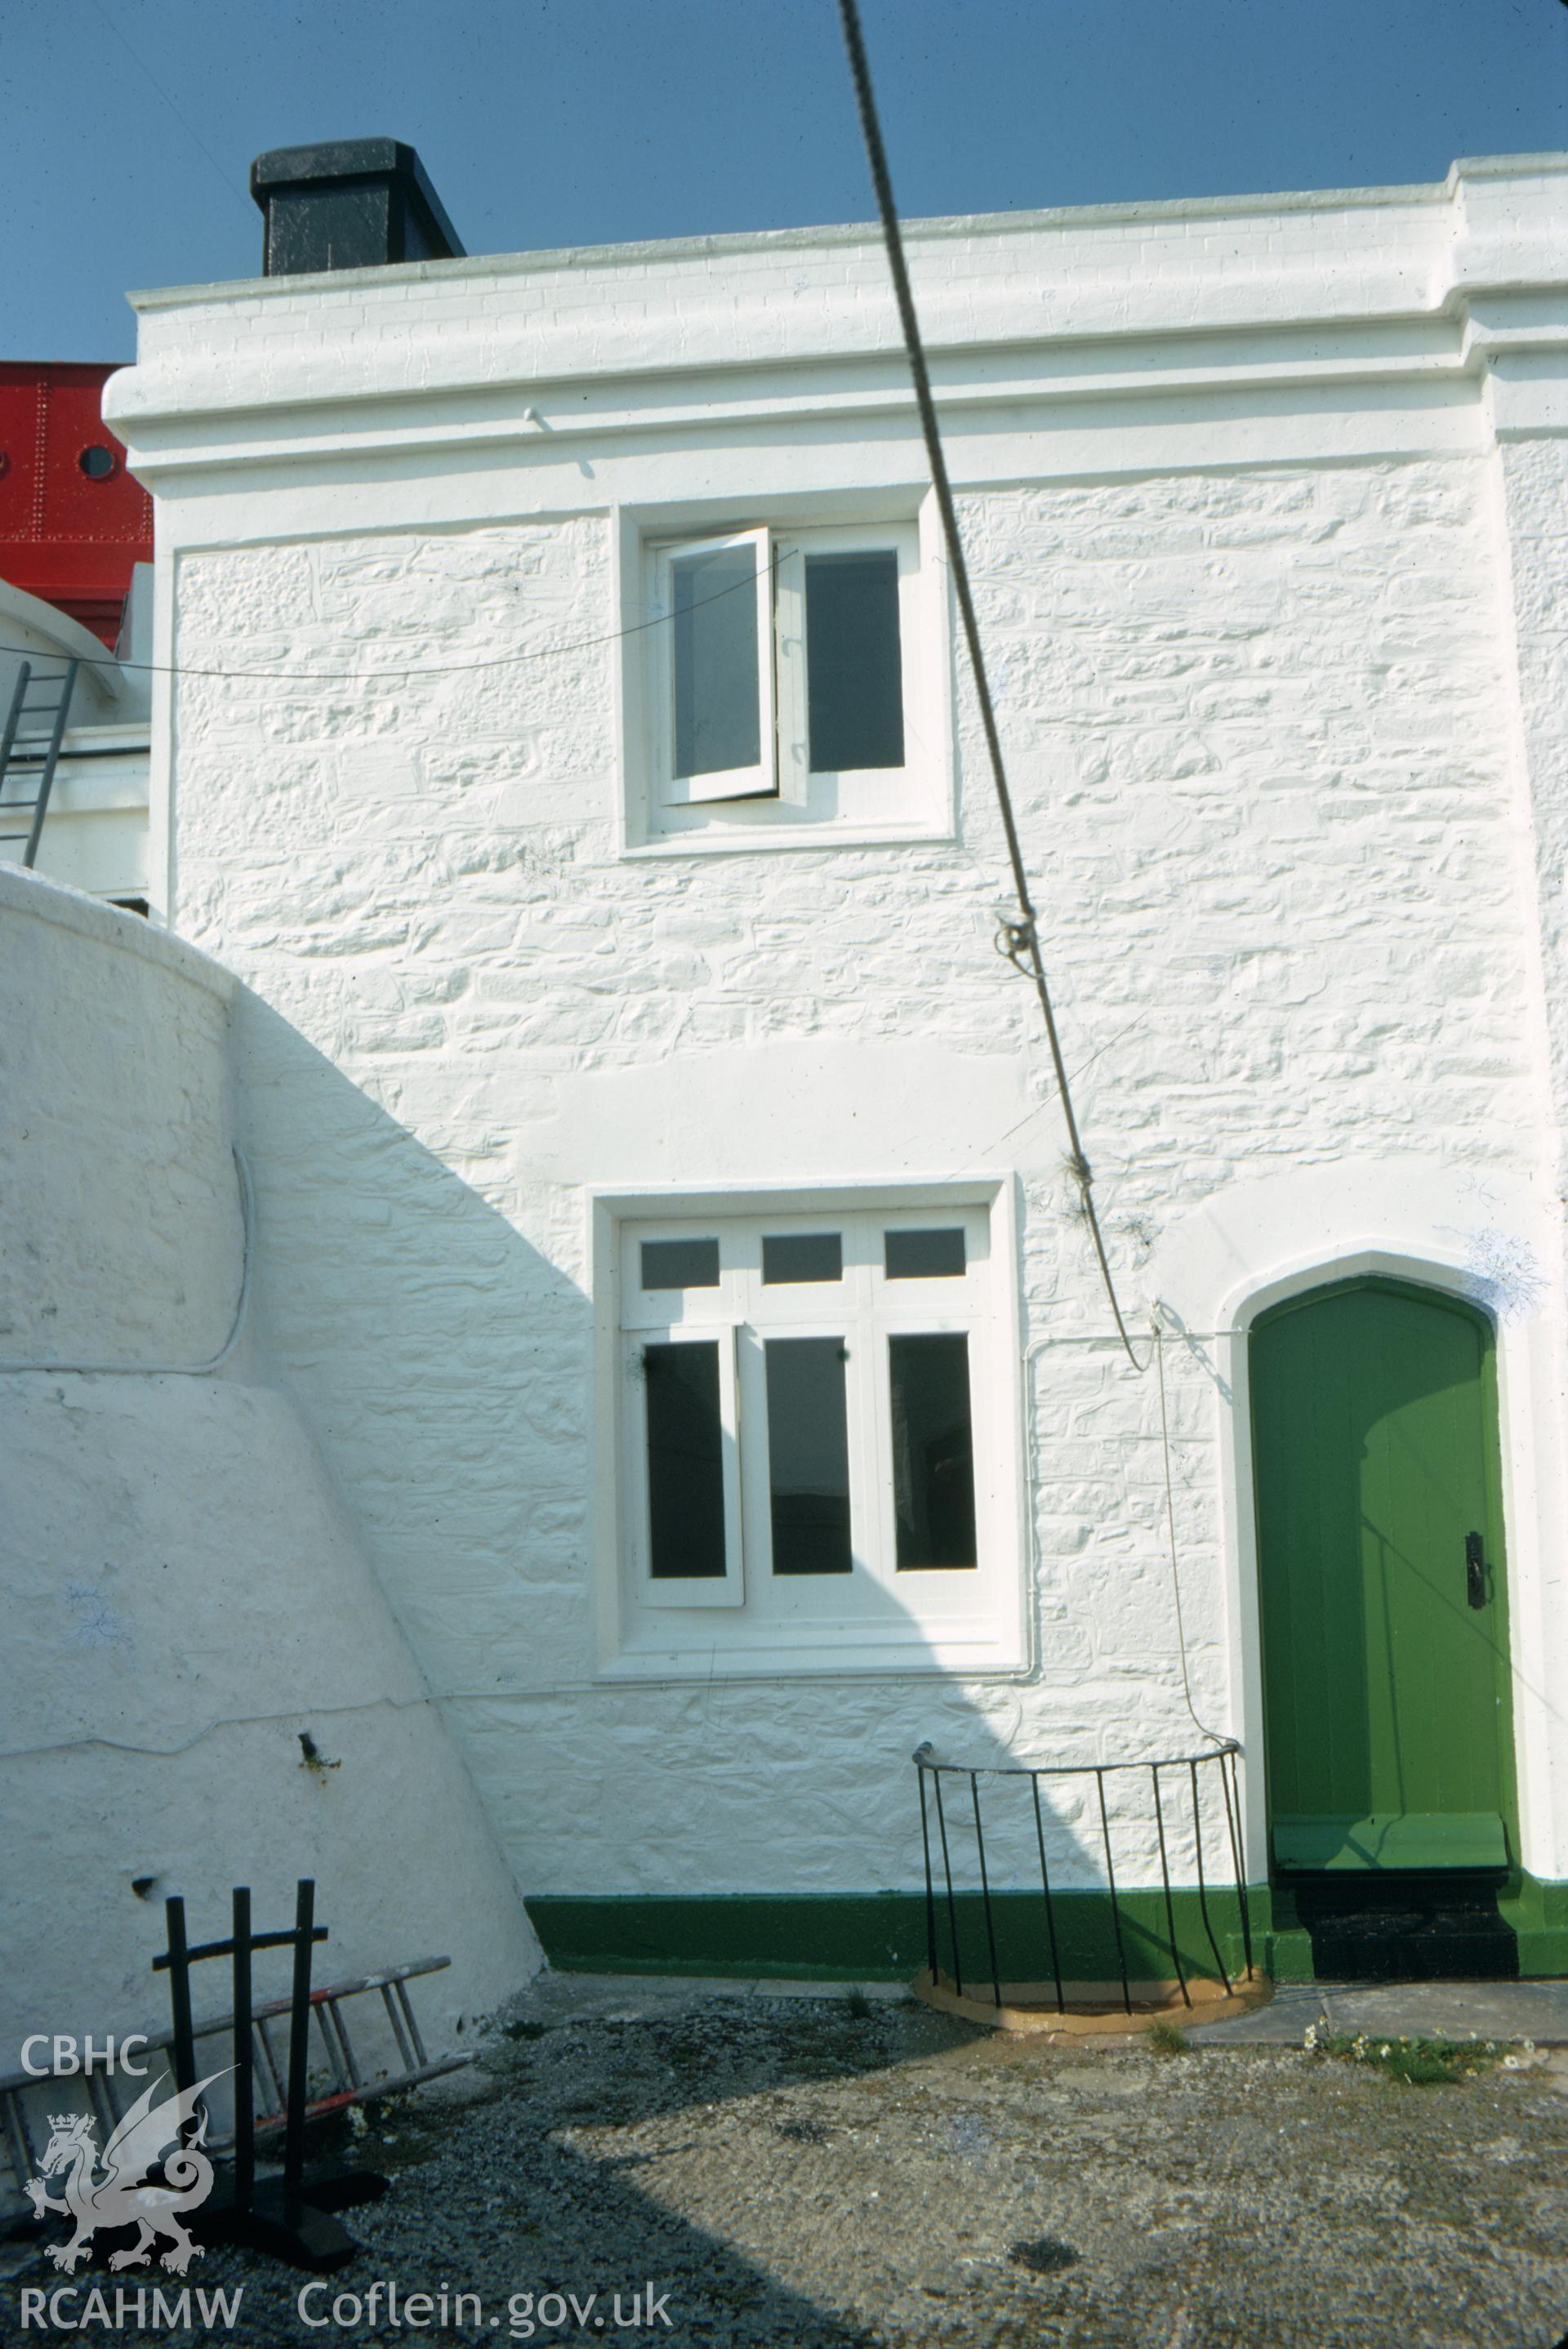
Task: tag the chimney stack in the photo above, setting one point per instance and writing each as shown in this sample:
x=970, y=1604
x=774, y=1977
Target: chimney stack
x=349, y=203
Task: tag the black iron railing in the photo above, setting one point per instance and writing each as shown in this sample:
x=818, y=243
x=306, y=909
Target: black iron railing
x=1176, y=1805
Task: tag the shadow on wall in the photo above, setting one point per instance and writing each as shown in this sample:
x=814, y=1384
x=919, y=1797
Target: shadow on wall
x=185, y=1600
x=189, y=1596
x=445, y=1363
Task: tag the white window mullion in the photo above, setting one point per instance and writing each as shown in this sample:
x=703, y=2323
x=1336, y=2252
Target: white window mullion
x=789, y=637
x=870, y=1524
x=752, y=1395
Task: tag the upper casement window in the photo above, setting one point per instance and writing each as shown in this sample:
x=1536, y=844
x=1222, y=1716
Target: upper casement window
x=789, y=685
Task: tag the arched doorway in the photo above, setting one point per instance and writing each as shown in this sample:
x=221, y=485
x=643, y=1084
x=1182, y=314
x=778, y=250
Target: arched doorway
x=1383, y=1584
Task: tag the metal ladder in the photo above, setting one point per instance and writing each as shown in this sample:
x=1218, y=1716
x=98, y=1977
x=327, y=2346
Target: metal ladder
x=352, y=2077
x=35, y=746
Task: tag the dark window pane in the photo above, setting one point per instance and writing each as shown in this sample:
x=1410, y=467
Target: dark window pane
x=803, y=1256
x=686, y=1461
x=932, y=1451
x=855, y=672
x=808, y=1455
x=924, y=1255
x=718, y=717
x=680, y=1264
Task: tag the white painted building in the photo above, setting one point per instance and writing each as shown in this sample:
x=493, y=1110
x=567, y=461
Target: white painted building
x=568, y=753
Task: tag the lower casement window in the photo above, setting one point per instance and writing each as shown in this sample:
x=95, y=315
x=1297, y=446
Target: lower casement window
x=816, y=1447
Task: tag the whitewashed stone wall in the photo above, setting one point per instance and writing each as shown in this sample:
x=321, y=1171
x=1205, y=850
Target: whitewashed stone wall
x=184, y=1594
x=1260, y=682
x=1254, y=738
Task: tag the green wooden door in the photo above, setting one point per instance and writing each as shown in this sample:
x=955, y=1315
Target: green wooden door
x=1380, y=1529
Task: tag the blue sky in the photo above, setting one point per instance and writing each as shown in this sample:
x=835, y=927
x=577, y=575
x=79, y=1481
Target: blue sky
x=131, y=124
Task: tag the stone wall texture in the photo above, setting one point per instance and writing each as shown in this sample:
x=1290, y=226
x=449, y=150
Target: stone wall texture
x=1264, y=503
x=1253, y=728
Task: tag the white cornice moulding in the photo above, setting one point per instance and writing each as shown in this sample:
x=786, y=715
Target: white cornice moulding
x=1333, y=290
x=208, y=391
x=663, y=251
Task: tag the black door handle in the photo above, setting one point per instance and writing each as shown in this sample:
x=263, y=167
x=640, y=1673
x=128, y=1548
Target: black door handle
x=1475, y=1571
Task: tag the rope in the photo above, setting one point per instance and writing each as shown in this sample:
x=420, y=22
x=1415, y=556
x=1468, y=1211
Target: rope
x=1019, y=939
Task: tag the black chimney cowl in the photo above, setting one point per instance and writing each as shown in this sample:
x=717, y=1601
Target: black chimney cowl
x=349, y=203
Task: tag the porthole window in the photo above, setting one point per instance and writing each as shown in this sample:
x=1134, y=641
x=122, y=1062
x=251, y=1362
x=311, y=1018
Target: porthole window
x=99, y=462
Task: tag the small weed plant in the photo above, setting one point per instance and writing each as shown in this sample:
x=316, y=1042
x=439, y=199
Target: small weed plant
x=1417, y=2062
x=859, y=2004
x=1167, y=2038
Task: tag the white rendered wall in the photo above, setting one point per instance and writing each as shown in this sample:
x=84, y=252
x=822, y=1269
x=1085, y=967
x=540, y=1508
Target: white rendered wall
x=184, y=1594
x=1246, y=586
x=95, y=835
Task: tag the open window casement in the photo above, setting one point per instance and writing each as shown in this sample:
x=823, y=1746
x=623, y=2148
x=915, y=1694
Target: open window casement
x=714, y=666
x=788, y=679
x=684, y=1436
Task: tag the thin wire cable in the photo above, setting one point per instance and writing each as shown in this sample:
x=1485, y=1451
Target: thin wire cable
x=1157, y=1349
x=978, y=1157
x=233, y=186
x=374, y=676
x=1020, y=940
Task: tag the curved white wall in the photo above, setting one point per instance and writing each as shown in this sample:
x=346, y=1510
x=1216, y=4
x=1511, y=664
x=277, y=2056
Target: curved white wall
x=119, y=1209
x=40, y=634
x=185, y=1597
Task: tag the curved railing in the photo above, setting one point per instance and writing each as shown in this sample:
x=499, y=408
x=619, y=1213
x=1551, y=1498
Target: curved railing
x=1183, y=1806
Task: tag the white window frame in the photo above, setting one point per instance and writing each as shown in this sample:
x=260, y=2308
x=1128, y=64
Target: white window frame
x=879, y=1618
x=665, y=814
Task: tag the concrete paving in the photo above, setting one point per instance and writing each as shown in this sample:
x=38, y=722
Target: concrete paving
x=629, y=1998
x=1523, y=2010
x=816, y=2173
x=1505, y=2009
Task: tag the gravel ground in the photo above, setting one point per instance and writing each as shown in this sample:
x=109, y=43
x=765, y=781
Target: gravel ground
x=794, y=2172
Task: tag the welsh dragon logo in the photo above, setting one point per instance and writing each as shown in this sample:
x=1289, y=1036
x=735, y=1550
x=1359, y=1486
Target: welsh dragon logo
x=122, y=2196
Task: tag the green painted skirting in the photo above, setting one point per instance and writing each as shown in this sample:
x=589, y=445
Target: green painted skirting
x=1538, y=1916
x=1536, y=1913
x=881, y=1936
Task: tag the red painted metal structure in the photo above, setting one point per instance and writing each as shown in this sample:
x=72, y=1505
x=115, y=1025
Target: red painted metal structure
x=72, y=518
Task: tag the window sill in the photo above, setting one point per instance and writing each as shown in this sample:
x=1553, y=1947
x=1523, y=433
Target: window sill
x=831, y=1657
x=793, y=836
